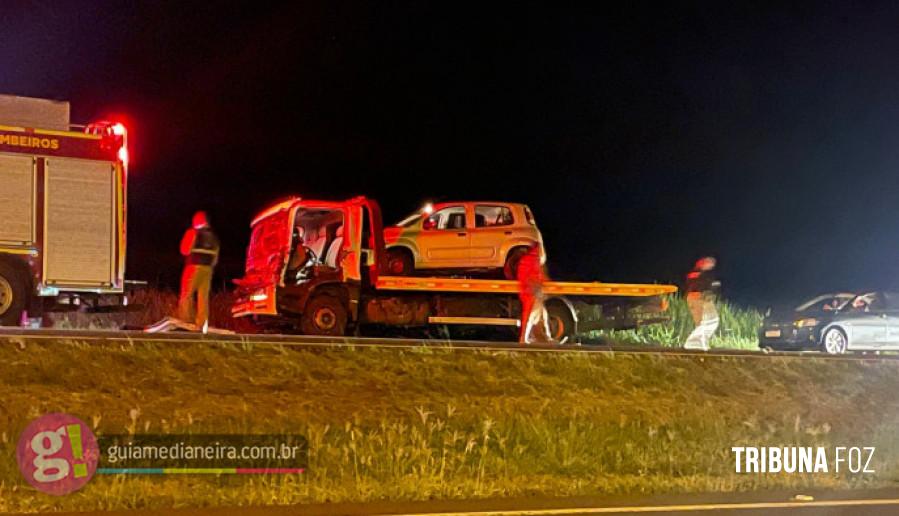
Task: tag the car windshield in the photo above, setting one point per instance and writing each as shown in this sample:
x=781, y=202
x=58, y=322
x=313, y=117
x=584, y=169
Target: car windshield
x=827, y=302
x=410, y=219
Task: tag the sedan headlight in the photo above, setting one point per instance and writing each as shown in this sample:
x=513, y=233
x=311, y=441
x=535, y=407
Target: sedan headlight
x=806, y=323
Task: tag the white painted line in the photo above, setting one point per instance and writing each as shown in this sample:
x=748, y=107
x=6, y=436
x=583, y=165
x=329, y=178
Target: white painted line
x=666, y=508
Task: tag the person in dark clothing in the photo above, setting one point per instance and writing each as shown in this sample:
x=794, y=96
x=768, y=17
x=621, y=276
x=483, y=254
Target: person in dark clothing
x=702, y=290
x=200, y=247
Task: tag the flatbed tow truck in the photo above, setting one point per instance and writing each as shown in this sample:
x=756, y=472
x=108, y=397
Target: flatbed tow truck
x=286, y=284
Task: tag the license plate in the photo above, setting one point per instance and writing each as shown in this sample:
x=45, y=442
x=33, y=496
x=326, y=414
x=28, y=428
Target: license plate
x=772, y=333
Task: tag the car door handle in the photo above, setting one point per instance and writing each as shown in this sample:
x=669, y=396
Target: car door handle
x=461, y=234
x=507, y=232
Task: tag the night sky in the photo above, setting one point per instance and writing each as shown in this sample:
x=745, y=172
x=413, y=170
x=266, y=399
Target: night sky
x=642, y=138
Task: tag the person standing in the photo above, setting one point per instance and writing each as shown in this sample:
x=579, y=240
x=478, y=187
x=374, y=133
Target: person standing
x=534, y=319
x=702, y=290
x=200, y=247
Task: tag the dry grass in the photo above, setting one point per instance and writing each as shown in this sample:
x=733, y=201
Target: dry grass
x=435, y=423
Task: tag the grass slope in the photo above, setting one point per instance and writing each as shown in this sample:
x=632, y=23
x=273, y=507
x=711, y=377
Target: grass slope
x=435, y=423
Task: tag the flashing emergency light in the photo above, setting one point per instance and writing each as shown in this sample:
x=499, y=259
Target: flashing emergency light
x=106, y=128
x=118, y=129
x=123, y=156
x=428, y=209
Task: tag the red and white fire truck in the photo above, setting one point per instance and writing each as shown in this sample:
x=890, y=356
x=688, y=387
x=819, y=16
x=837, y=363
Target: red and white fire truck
x=320, y=268
x=62, y=210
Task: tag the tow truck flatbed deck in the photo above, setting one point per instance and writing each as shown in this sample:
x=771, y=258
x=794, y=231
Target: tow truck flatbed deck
x=497, y=286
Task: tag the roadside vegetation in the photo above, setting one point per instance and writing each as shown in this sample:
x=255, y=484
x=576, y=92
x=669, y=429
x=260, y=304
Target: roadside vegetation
x=434, y=423
x=738, y=328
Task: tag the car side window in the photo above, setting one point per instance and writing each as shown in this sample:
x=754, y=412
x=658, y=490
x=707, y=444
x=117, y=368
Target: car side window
x=867, y=303
x=452, y=217
x=887, y=302
x=890, y=301
x=486, y=216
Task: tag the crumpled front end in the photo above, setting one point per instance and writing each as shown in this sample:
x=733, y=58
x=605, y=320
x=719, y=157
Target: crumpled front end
x=266, y=259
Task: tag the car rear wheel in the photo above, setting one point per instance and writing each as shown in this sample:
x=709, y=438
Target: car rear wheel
x=510, y=269
x=835, y=341
x=399, y=262
x=324, y=315
x=13, y=294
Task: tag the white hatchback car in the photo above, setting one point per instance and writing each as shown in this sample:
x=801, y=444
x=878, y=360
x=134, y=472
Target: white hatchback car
x=463, y=235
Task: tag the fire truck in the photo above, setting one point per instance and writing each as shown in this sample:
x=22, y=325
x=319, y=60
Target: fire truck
x=319, y=268
x=62, y=210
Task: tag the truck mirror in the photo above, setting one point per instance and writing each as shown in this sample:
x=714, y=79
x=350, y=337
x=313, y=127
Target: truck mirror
x=429, y=223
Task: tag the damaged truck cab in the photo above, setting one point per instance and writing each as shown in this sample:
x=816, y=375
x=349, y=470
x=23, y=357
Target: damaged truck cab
x=319, y=267
x=305, y=264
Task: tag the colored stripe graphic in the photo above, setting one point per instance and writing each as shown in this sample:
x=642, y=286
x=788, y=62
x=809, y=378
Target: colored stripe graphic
x=198, y=471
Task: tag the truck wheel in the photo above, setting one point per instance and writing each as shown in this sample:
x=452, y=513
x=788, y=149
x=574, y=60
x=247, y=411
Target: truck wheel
x=561, y=323
x=510, y=269
x=399, y=262
x=13, y=295
x=324, y=315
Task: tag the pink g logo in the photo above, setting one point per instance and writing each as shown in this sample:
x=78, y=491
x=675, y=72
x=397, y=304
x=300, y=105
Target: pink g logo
x=57, y=454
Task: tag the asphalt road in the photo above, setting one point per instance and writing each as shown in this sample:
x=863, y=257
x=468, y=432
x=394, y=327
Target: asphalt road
x=181, y=338
x=877, y=502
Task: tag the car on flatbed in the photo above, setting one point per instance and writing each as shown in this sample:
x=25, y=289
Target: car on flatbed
x=462, y=236
x=319, y=268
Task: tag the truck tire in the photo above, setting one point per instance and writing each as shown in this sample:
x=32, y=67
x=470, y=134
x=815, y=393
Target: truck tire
x=561, y=322
x=510, y=269
x=399, y=262
x=13, y=295
x=324, y=315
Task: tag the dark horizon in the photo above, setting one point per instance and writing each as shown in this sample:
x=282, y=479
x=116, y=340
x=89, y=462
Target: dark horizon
x=642, y=137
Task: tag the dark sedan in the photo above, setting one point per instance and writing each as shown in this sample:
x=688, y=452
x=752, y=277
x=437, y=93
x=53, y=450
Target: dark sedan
x=800, y=328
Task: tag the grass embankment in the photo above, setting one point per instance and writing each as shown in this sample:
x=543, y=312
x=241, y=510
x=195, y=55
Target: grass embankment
x=434, y=423
x=738, y=328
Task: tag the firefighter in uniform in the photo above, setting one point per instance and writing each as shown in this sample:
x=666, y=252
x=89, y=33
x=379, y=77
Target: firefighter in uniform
x=534, y=319
x=200, y=247
x=702, y=290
